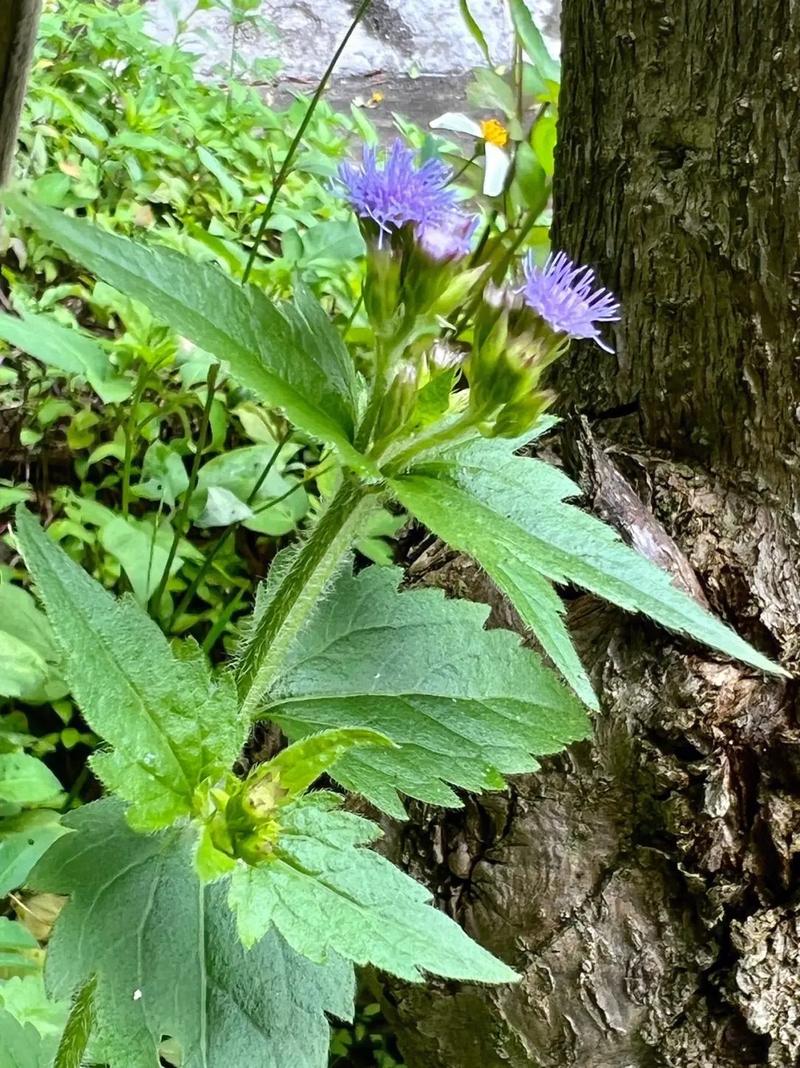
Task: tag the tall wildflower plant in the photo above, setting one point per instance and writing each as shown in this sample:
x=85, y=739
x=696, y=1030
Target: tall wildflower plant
x=217, y=905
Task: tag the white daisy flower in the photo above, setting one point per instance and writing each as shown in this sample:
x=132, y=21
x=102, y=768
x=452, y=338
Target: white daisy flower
x=495, y=138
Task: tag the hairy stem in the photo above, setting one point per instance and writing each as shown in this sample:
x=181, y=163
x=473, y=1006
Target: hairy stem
x=312, y=569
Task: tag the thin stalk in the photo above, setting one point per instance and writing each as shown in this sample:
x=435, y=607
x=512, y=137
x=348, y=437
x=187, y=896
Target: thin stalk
x=283, y=174
x=293, y=601
x=130, y=430
x=221, y=622
x=183, y=511
x=217, y=545
x=233, y=602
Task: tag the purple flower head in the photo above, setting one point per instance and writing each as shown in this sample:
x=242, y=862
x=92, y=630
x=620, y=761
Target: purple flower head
x=449, y=239
x=563, y=295
x=399, y=191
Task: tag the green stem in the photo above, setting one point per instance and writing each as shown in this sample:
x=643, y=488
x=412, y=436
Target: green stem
x=299, y=591
x=183, y=511
x=283, y=174
x=217, y=545
x=130, y=432
x=75, y=1037
x=424, y=444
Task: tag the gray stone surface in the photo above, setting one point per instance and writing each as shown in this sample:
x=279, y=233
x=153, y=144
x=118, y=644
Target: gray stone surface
x=396, y=37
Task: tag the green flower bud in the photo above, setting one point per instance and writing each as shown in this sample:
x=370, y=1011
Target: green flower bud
x=398, y=403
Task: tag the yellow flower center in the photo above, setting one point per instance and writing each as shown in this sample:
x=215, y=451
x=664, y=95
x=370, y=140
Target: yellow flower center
x=494, y=132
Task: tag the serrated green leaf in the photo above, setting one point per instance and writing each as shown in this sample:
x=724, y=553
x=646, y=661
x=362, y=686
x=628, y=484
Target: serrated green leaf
x=167, y=959
x=464, y=705
x=532, y=41
x=327, y=894
x=170, y=723
x=21, y=1045
x=289, y=354
x=25, y=998
x=513, y=517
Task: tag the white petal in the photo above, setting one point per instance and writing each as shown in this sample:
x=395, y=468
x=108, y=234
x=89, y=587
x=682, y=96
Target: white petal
x=457, y=123
x=494, y=175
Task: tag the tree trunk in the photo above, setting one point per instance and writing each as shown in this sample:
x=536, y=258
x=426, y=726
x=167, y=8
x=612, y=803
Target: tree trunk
x=19, y=20
x=646, y=886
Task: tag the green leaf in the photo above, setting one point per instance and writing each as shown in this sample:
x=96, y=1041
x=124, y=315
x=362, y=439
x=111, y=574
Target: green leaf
x=298, y=766
x=237, y=473
x=475, y=30
x=68, y=350
x=25, y=780
x=163, y=476
x=167, y=959
x=21, y=1045
x=18, y=949
x=30, y=667
x=464, y=705
x=23, y=839
x=170, y=723
x=142, y=552
x=327, y=894
x=543, y=140
x=333, y=240
x=25, y=998
x=513, y=518
x=288, y=354
x=533, y=42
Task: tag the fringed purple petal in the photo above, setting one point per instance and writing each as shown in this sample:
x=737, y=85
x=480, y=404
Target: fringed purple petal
x=450, y=238
x=563, y=294
x=399, y=191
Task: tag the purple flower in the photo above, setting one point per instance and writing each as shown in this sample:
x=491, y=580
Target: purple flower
x=563, y=295
x=449, y=239
x=399, y=191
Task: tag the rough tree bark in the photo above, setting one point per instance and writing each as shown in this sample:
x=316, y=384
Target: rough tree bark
x=19, y=20
x=647, y=886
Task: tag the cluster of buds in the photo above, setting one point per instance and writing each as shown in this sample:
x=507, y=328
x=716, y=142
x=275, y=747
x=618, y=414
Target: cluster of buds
x=418, y=238
x=241, y=817
x=416, y=233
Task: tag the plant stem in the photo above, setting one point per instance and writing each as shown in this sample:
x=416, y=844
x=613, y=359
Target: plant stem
x=183, y=511
x=283, y=174
x=130, y=429
x=299, y=591
x=208, y=560
x=232, y=603
x=455, y=430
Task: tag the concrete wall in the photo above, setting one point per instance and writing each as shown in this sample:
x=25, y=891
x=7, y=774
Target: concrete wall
x=397, y=37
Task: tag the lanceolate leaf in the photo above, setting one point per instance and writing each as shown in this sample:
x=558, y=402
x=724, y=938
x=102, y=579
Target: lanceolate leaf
x=69, y=350
x=464, y=705
x=290, y=355
x=167, y=959
x=171, y=725
x=474, y=28
x=532, y=41
x=327, y=894
x=509, y=513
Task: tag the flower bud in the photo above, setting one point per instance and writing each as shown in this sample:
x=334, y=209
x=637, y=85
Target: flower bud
x=398, y=403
